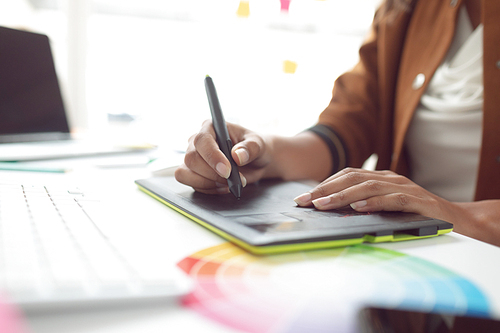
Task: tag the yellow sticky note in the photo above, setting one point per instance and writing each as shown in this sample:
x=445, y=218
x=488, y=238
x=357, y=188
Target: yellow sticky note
x=243, y=9
x=289, y=66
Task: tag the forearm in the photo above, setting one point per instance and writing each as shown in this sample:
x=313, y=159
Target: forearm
x=304, y=156
x=480, y=220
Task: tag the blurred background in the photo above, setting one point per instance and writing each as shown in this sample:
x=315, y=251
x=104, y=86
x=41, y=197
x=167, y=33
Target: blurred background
x=136, y=67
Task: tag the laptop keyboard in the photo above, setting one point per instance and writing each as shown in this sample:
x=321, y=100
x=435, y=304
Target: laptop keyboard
x=51, y=250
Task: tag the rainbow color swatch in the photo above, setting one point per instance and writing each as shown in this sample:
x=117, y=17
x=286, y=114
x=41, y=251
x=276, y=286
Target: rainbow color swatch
x=322, y=290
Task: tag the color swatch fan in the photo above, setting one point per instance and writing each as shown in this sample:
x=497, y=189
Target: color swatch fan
x=319, y=291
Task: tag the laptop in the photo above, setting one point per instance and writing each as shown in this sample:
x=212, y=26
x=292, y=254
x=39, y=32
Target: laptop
x=34, y=122
x=66, y=248
x=267, y=221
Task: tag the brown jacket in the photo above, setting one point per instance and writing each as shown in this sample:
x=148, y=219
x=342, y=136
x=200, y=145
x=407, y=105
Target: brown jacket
x=372, y=105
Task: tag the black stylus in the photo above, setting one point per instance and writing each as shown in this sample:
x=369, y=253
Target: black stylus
x=222, y=136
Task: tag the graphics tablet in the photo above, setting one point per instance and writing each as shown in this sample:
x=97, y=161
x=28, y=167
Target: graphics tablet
x=266, y=220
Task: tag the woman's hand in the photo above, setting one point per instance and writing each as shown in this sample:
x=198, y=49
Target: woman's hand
x=372, y=191
x=206, y=168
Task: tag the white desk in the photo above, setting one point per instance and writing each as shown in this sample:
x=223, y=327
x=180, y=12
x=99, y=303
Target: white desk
x=173, y=237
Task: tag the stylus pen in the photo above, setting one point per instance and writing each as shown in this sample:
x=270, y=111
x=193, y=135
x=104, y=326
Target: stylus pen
x=222, y=136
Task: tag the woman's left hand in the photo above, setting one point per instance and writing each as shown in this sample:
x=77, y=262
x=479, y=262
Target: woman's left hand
x=373, y=191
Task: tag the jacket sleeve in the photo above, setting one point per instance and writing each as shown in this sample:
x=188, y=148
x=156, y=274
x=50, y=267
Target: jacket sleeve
x=358, y=119
x=349, y=124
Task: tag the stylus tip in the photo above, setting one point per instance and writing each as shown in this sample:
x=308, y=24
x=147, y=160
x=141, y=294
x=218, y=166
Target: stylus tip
x=236, y=191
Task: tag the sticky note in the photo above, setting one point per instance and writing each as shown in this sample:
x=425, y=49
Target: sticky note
x=289, y=66
x=285, y=5
x=243, y=9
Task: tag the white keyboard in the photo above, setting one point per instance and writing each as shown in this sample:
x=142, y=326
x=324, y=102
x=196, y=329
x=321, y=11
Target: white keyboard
x=52, y=253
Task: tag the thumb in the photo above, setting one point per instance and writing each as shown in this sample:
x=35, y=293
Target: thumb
x=248, y=150
x=242, y=155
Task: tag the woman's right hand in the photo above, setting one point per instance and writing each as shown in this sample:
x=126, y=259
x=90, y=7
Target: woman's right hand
x=206, y=168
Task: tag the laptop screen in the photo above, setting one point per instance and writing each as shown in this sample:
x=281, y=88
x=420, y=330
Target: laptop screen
x=31, y=106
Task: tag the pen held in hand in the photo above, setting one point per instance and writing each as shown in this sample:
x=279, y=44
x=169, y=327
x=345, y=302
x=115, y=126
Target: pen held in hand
x=222, y=136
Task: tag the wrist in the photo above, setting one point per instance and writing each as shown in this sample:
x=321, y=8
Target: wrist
x=304, y=156
x=479, y=220
x=274, y=146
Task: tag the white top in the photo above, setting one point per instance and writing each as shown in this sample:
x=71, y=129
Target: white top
x=444, y=137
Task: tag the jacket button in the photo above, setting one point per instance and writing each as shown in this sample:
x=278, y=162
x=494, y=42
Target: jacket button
x=453, y=3
x=418, y=82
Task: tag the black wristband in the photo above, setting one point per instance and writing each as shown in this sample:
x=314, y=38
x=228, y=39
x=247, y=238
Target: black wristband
x=334, y=143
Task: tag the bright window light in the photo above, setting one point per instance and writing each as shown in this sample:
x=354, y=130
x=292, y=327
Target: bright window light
x=273, y=62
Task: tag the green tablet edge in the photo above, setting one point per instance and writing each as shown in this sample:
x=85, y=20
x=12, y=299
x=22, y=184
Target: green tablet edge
x=284, y=248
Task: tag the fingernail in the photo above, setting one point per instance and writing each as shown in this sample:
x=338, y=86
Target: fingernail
x=303, y=199
x=321, y=202
x=359, y=204
x=243, y=156
x=223, y=190
x=243, y=180
x=223, y=170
